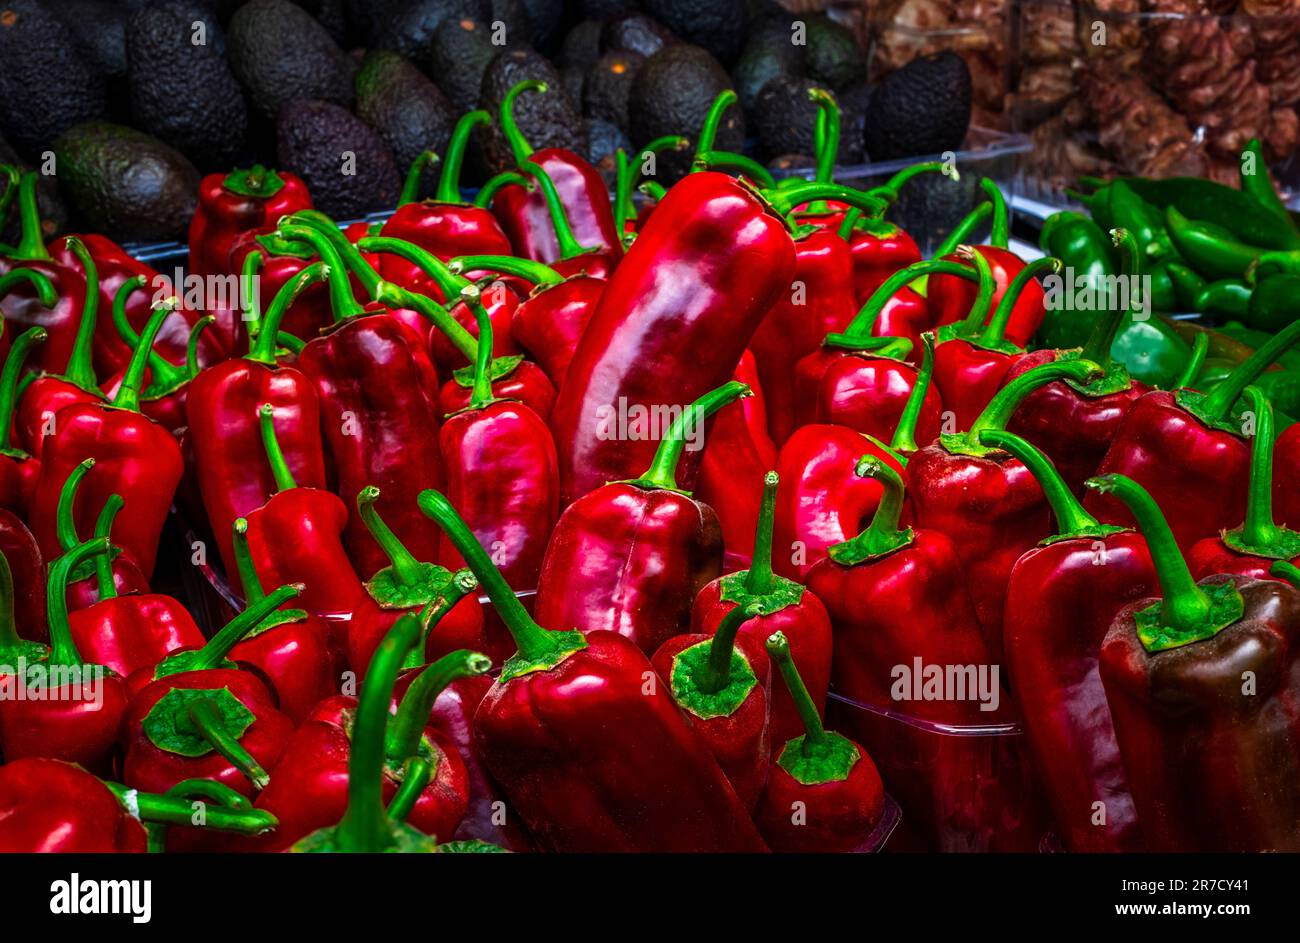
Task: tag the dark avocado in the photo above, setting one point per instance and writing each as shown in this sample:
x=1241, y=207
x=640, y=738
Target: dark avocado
x=854, y=102
x=574, y=82
x=716, y=25
x=672, y=94
x=634, y=33
x=767, y=54
x=581, y=47
x=547, y=20
x=184, y=92
x=100, y=29
x=603, y=9
x=407, y=110
x=126, y=184
x=280, y=54
x=923, y=108
x=834, y=57
x=930, y=205
x=546, y=119
x=603, y=142
x=314, y=139
x=47, y=84
x=514, y=19
x=456, y=59
x=410, y=29
x=329, y=14
x=607, y=87
x=53, y=211
x=366, y=18
x=785, y=118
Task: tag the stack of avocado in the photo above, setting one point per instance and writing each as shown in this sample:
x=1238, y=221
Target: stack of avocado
x=126, y=103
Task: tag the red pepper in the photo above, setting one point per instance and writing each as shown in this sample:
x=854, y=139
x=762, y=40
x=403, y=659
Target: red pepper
x=18, y=468
x=48, y=805
x=575, y=258
x=79, y=712
x=19, y=548
x=950, y=300
x=13, y=644
x=819, y=773
x=198, y=716
x=1202, y=688
x=1286, y=483
x=544, y=730
x=986, y=502
x=235, y=204
x=778, y=604
x=524, y=215
x=631, y=556
x=627, y=221
x=879, y=249
x=135, y=457
x=124, y=573
x=410, y=585
x=673, y=322
x=266, y=267
x=1187, y=450
x=225, y=432
x=1061, y=598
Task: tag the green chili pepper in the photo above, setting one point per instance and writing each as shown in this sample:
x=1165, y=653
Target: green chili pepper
x=1210, y=202
x=1257, y=184
x=1151, y=350
x=1211, y=249
x=1274, y=303
x=1227, y=296
x=1187, y=286
x=1146, y=223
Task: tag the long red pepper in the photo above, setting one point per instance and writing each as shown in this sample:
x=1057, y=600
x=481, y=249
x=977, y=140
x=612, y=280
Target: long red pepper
x=544, y=731
x=18, y=468
x=19, y=547
x=574, y=258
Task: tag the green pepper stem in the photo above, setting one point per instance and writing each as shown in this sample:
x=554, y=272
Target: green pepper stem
x=449, y=179
x=415, y=177
x=519, y=145
x=865, y=319
x=1102, y=338
x=462, y=583
x=962, y=232
x=192, y=344
x=31, y=244
x=80, y=370
x=662, y=472
x=630, y=173
x=882, y=535
x=448, y=282
x=274, y=454
x=256, y=181
x=481, y=392
x=407, y=728
x=1071, y=518
x=416, y=773
x=758, y=580
x=998, y=412
x=1218, y=403
x=569, y=246
x=128, y=393
x=1259, y=529
x=654, y=189
x=1195, y=361
x=996, y=330
x=735, y=163
x=848, y=223
x=1183, y=606
x=65, y=528
x=973, y=324
x=828, y=133
x=1000, y=235
x=162, y=372
x=623, y=207
x=904, y=438
x=343, y=303
x=206, y=718
x=715, y=673
x=785, y=200
x=1287, y=571
x=104, y=583
x=9, y=383
x=249, y=293
x=244, y=565
x=44, y=288
x=263, y=347
x=713, y=120
x=778, y=649
x=232, y=633
x=535, y=272
x=487, y=193
x=406, y=568
x=63, y=650
x=889, y=189
x=177, y=807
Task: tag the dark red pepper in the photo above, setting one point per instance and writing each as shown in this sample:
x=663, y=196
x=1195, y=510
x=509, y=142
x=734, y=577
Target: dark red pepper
x=239, y=203
x=28, y=573
x=18, y=468
x=124, y=573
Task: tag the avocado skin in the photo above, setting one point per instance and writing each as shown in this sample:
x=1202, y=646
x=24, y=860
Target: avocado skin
x=311, y=138
x=603, y=141
x=768, y=53
x=547, y=18
x=53, y=210
x=100, y=30
x=608, y=86
x=854, y=101
x=185, y=94
x=456, y=58
x=512, y=15
x=581, y=46
x=365, y=19
x=126, y=184
x=634, y=33
x=672, y=94
x=546, y=119
x=46, y=84
x=785, y=118
x=407, y=110
x=410, y=28
x=923, y=108
x=716, y=25
x=280, y=54
x=834, y=58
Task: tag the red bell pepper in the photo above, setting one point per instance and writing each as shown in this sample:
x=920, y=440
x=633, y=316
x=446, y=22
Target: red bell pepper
x=18, y=468
x=410, y=585
x=879, y=249
x=19, y=548
x=673, y=322
x=236, y=204
x=574, y=258
x=79, y=712
x=524, y=215
x=198, y=716
x=135, y=457
x=823, y=793
x=631, y=556
x=721, y=683
x=1286, y=483
x=124, y=573
x=1202, y=688
x=48, y=805
x=778, y=604
x=544, y=732
x=1061, y=598
x=267, y=265
x=986, y=502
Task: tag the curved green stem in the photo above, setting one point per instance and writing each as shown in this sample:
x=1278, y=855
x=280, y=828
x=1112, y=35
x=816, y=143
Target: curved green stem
x=487, y=193
x=104, y=583
x=1102, y=338
x=407, y=727
x=654, y=190
x=206, y=718
x=848, y=223
x=232, y=813
x=662, y=473
x=785, y=200
x=244, y=565
x=889, y=189
x=778, y=649
x=43, y=287
x=415, y=177
x=416, y=773
x=1195, y=361
x=395, y=296
x=128, y=394
x=994, y=333
x=1217, y=404
x=759, y=579
x=828, y=138
x=274, y=454
x=904, y=438
x=713, y=120
x=192, y=367
x=9, y=376
x=232, y=633
x=263, y=348
x=481, y=392
x=631, y=171
x=962, y=232
x=448, y=282
x=449, y=180
x=249, y=292
x=162, y=372
x=973, y=324
x=537, y=273
x=1286, y=570
x=63, y=650
x=729, y=161
x=65, y=527
x=343, y=303
x=31, y=244
x=289, y=342
x=883, y=534
x=1071, y=518
x=865, y=319
x=1000, y=235
x=519, y=145
x=408, y=570
x=1260, y=533
x=567, y=241
x=80, y=370
x=715, y=673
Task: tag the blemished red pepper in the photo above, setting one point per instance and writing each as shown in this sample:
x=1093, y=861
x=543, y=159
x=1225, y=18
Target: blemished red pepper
x=18, y=468
x=738, y=449
x=524, y=215
x=673, y=322
x=1075, y=423
x=1188, y=450
x=631, y=556
x=778, y=604
x=27, y=567
x=721, y=683
x=80, y=710
x=48, y=805
x=241, y=202
x=124, y=572
x=950, y=300
x=197, y=716
x=823, y=793
x=135, y=458
x=1062, y=597
x=225, y=431
x=544, y=733
x=291, y=647
x=501, y=469
x=822, y=502
x=1201, y=683
x=985, y=501
x=410, y=585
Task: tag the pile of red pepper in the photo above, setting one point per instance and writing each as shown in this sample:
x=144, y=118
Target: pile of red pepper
x=725, y=523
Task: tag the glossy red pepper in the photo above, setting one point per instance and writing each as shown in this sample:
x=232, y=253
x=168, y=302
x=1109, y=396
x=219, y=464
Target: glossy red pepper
x=574, y=257
x=879, y=249
x=124, y=573
x=544, y=732
x=18, y=468
x=631, y=556
x=27, y=568
x=267, y=266
x=672, y=324
x=1062, y=597
x=239, y=203
x=48, y=805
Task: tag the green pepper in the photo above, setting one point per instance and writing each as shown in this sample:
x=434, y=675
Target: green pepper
x=1146, y=223
x=1204, y=200
x=1151, y=350
x=1213, y=372
x=1163, y=297
x=1254, y=339
x=1080, y=244
x=1274, y=303
x=1257, y=184
x=1098, y=206
x=1187, y=285
x=1227, y=296
x=1210, y=249
x=1282, y=387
